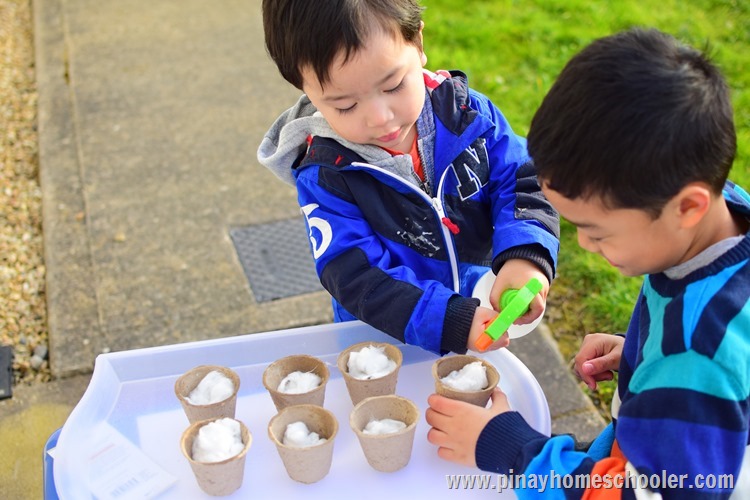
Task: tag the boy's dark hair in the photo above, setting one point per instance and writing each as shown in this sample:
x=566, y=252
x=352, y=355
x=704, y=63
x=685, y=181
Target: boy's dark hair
x=301, y=33
x=631, y=120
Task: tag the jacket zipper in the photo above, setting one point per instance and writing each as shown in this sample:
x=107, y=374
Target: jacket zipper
x=447, y=233
x=437, y=207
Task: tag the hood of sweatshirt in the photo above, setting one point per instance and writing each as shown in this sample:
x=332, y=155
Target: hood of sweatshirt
x=286, y=141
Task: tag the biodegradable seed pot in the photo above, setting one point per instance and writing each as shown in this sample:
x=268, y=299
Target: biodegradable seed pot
x=385, y=452
x=448, y=364
x=385, y=383
x=277, y=371
x=216, y=478
x=306, y=464
x=186, y=383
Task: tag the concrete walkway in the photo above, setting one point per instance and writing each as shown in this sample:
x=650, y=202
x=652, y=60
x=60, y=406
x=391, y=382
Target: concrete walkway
x=150, y=114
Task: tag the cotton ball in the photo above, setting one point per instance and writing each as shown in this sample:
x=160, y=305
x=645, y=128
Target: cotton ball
x=217, y=441
x=384, y=426
x=214, y=387
x=370, y=362
x=298, y=435
x=299, y=382
x=472, y=377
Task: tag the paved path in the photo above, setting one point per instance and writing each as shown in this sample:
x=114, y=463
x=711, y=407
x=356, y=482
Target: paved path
x=150, y=113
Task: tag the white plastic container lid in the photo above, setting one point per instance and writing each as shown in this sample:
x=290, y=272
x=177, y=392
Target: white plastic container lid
x=482, y=291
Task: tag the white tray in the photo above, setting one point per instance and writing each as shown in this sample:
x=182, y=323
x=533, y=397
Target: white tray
x=132, y=392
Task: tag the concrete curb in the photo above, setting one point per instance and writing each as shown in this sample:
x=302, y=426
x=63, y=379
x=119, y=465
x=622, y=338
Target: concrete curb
x=149, y=118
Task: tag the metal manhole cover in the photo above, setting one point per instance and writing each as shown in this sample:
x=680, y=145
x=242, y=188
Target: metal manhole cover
x=276, y=259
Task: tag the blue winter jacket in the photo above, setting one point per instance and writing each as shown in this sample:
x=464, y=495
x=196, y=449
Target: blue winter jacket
x=403, y=255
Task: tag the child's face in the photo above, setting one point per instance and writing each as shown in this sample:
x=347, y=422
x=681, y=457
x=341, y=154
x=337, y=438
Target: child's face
x=630, y=239
x=376, y=96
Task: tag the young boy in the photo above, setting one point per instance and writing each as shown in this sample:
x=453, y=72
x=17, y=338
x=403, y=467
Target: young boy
x=410, y=182
x=633, y=145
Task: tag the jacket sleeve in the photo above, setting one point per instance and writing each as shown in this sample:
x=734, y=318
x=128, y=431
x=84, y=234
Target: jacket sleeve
x=526, y=224
x=356, y=269
x=537, y=466
x=675, y=460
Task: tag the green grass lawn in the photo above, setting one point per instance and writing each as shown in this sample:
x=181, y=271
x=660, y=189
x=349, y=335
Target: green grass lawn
x=512, y=50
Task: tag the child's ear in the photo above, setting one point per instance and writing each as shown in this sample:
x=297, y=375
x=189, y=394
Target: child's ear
x=693, y=202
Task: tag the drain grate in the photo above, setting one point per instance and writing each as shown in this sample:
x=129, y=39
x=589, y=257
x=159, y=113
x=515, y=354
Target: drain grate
x=276, y=259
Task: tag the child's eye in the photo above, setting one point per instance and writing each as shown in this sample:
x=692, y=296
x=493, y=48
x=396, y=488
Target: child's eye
x=397, y=88
x=346, y=110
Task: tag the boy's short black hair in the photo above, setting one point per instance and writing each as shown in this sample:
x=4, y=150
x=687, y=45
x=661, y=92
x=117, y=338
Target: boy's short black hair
x=311, y=33
x=631, y=120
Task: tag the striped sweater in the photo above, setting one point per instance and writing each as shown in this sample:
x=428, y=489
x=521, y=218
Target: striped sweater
x=682, y=412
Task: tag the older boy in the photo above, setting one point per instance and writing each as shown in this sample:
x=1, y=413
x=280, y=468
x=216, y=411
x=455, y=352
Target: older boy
x=633, y=144
x=411, y=183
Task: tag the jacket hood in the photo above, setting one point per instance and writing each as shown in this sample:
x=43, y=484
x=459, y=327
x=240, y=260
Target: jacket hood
x=286, y=141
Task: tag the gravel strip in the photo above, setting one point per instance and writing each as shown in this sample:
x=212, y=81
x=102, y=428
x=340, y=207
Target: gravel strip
x=23, y=309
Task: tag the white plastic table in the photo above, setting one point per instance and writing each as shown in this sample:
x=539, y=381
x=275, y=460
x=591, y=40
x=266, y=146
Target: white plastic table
x=122, y=439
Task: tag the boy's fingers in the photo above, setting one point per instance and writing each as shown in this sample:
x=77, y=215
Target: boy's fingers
x=589, y=368
x=600, y=377
x=587, y=379
x=437, y=402
x=601, y=364
x=503, y=341
x=455, y=455
x=499, y=401
x=595, y=366
x=591, y=380
x=430, y=416
x=498, y=396
x=446, y=454
x=537, y=307
x=436, y=419
x=613, y=360
x=441, y=404
x=436, y=436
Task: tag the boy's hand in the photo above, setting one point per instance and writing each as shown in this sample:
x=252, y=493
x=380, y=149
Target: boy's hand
x=514, y=274
x=456, y=425
x=598, y=357
x=482, y=318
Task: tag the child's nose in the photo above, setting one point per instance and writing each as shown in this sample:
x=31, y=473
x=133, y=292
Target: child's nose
x=378, y=114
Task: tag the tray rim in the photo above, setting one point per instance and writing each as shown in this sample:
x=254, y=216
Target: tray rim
x=112, y=368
